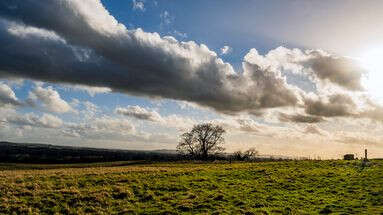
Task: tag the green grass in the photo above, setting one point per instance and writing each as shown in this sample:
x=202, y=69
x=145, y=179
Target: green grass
x=18, y=166
x=289, y=187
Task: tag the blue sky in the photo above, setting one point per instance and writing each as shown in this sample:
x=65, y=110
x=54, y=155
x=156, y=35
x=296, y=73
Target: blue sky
x=208, y=26
x=286, y=77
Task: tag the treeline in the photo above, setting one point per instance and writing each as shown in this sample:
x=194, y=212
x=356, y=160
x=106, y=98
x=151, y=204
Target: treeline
x=205, y=142
x=43, y=153
x=53, y=154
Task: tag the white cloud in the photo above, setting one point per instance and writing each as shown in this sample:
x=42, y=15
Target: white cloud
x=44, y=121
x=104, y=127
x=179, y=122
x=7, y=96
x=138, y=5
x=226, y=50
x=166, y=18
x=180, y=34
x=175, y=70
x=170, y=121
x=319, y=65
x=50, y=121
x=50, y=100
x=75, y=102
x=92, y=91
x=161, y=67
x=140, y=113
x=112, y=124
x=30, y=31
x=90, y=111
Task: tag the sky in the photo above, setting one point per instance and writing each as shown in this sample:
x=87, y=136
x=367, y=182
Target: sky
x=294, y=78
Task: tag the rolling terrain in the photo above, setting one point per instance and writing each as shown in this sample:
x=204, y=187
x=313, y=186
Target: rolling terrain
x=284, y=187
x=46, y=153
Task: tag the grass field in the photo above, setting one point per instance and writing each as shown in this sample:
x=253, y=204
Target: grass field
x=288, y=187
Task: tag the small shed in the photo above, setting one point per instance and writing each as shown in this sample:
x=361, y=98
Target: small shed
x=348, y=157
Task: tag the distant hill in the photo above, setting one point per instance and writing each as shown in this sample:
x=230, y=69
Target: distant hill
x=55, y=154
x=46, y=153
x=166, y=151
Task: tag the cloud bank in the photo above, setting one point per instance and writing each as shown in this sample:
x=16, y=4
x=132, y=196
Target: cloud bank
x=80, y=43
x=44, y=121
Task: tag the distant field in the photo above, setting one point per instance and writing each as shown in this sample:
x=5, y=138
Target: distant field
x=288, y=187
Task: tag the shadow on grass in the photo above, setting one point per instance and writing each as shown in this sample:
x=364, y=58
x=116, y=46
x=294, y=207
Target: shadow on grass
x=23, y=166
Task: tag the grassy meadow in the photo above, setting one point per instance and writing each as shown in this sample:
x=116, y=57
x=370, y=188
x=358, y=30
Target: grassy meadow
x=286, y=187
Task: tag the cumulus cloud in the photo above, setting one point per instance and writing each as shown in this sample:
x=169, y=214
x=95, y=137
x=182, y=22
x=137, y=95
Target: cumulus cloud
x=50, y=100
x=90, y=110
x=342, y=71
x=171, y=121
x=319, y=65
x=105, y=123
x=319, y=108
x=97, y=46
x=140, y=113
x=44, y=121
x=250, y=126
x=226, y=50
x=80, y=43
x=102, y=127
x=268, y=88
x=7, y=96
x=334, y=105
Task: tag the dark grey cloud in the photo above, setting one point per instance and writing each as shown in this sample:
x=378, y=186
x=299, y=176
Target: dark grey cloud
x=338, y=105
x=299, y=118
x=345, y=72
x=269, y=89
x=78, y=42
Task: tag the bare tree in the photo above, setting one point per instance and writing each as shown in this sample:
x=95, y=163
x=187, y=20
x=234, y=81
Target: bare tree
x=203, y=141
x=237, y=155
x=247, y=155
x=251, y=154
